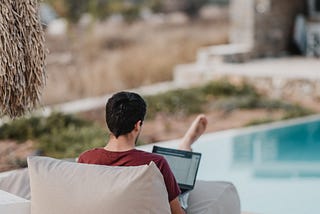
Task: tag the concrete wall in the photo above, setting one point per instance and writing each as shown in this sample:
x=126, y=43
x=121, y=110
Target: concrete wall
x=268, y=24
x=298, y=89
x=273, y=26
x=241, y=21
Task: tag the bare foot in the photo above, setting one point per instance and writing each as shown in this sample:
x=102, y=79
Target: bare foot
x=196, y=129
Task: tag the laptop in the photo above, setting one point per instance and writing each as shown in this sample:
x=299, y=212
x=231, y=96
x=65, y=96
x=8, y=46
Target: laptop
x=184, y=165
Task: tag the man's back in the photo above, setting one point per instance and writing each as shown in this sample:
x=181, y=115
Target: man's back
x=133, y=157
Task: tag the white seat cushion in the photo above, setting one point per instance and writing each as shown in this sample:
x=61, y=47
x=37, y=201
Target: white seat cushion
x=12, y=204
x=214, y=197
x=16, y=182
x=65, y=187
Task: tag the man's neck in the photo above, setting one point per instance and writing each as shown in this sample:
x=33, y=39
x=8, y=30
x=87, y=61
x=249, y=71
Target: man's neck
x=120, y=144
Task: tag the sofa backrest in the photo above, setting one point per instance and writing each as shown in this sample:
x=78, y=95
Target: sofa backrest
x=16, y=182
x=65, y=187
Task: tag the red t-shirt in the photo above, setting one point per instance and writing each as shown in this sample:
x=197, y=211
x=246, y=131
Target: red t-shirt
x=133, y=158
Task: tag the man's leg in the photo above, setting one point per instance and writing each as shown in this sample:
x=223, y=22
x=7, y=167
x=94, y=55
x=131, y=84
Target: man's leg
x=216, y=197
x=208, y=196
x=196, y=129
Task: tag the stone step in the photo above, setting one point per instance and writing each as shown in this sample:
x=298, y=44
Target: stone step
x=236, y=52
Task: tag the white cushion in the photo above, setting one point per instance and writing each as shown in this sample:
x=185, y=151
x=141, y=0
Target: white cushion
x=216, y=197
x=12, y=204
x=65, y=187
x=16, y=182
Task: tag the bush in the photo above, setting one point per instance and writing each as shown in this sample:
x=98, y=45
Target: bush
x=221, y=94
x=100, y=9
x=296, y=111
x=58, y=135
x=193, y=6
x=240, y=102
x=259, y=121
x=62, y=136
x=189, y=101
x=291, y=111
x=225, y=88
x=180, y=101
x=71, y=141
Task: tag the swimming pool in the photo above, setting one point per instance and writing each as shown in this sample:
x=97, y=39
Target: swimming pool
x=275, y=167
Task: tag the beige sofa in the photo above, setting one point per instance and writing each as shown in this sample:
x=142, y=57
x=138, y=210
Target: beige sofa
x=57, y=187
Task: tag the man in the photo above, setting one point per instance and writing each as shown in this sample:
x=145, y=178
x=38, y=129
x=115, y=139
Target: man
x=125, y=112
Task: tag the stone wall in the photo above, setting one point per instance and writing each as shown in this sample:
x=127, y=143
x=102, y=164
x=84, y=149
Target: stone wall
x=268, y=24
x=274, y=21
x=242, y=21
x=297, y=89
x=278, y=88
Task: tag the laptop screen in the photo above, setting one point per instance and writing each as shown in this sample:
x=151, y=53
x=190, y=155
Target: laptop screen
x=183, y=164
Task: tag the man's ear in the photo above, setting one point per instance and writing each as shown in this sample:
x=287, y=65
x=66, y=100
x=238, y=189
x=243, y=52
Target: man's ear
x=138, y=125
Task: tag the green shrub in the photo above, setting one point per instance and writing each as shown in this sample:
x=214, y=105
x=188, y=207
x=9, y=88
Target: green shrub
x=223, y=88
x=71, y=141
x=21, y=129
x=58, y=135
x=259, y=121
x=271, y=104
x=220, y=94
x=240, y=102
x=181, y=101
x=189, y=101
x=62, y=135
x=296, y=111
x=291, y=111
x=100, y=9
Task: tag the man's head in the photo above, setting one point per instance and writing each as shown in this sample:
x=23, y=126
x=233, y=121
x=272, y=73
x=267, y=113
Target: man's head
x=123, y=111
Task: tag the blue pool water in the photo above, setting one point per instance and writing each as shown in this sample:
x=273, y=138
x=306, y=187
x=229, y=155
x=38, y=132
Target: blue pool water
x=276, y=168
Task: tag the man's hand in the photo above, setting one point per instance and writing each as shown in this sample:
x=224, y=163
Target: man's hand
x=176, y=207
x=183, y=199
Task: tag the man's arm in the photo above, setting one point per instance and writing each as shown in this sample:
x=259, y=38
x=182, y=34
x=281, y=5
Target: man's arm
x=175, y=206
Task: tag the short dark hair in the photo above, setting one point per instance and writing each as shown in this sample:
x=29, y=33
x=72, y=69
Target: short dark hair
x=123, y=111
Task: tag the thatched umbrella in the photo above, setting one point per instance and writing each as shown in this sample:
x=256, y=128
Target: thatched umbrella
x=22, y=57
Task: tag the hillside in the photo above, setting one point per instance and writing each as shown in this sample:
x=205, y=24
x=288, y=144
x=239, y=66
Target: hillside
x=108, y=56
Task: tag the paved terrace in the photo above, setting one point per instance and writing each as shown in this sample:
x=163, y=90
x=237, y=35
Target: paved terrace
x=284, y=68
x=287, y=68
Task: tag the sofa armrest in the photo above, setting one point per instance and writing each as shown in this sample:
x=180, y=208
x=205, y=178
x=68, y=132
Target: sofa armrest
x=16, y=182
x=12, y=204
x=214, y=197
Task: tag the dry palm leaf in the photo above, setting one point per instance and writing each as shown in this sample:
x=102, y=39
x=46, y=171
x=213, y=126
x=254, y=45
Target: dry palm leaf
x=22, y=57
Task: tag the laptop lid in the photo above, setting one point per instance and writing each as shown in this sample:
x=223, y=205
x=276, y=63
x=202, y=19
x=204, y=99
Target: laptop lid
x=183, y=164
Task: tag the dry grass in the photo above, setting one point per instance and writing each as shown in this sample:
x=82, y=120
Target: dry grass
x=116, y=57
x=22, y=57
x=14, y=155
